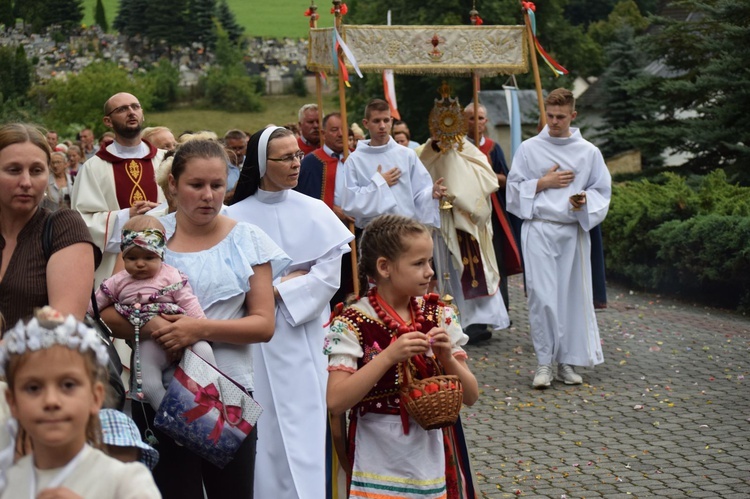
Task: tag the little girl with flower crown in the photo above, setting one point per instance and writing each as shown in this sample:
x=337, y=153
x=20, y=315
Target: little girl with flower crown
x=391, y=456
x=55, y=373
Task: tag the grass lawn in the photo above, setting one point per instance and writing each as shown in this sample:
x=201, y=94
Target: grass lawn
x=280, y=110
x=274, y=19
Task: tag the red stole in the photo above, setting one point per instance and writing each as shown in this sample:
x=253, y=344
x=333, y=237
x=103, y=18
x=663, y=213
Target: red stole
x=328, y=187
x=306, y=148
x=511, y=255
x=487, y=147
x=135, y=179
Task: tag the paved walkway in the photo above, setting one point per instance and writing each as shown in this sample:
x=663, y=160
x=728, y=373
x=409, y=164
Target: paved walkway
x=666, y=415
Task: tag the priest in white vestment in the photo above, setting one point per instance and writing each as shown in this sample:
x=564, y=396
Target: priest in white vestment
x=560, y=187
x=118, y=181
x=291, y=370
x=466, y=230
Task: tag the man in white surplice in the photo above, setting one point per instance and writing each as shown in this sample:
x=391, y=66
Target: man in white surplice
x=560, y=187
x=383, y=177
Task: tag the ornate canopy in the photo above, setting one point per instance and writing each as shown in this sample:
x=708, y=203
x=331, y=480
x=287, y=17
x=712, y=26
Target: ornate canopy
x=438, y=50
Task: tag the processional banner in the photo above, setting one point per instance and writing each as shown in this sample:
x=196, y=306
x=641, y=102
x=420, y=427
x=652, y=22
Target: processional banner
x=449, y=50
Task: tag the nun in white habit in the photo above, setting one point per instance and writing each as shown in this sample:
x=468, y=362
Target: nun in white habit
x=291, y=370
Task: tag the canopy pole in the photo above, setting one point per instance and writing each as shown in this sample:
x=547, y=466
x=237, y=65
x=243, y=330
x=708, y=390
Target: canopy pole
x=345, y=123
x=318, y=83
x=535, y=68
x=475, y=21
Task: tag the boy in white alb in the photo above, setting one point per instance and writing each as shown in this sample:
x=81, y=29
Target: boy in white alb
x=383, y=177
x=560, y=187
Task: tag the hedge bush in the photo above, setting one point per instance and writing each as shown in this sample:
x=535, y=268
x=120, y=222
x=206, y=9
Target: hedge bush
x=683, y=235
x=707, y=255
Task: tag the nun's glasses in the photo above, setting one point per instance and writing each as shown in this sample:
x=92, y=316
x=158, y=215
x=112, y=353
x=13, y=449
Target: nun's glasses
x=289, y=159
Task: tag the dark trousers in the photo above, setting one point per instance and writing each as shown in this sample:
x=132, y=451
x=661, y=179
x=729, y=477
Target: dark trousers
x=497, y=243
x=181, y=474
x=347, y=281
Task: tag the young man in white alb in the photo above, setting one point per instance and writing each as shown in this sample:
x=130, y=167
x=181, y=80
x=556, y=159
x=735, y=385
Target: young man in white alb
x=384, y=177
x=560, y=187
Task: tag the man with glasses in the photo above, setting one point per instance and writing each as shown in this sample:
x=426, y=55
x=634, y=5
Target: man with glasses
x=118, y=182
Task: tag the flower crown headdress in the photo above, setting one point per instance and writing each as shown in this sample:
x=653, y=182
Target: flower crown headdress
x=40, y=334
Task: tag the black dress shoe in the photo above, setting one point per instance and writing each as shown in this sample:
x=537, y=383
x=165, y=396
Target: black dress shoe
x=477, y=333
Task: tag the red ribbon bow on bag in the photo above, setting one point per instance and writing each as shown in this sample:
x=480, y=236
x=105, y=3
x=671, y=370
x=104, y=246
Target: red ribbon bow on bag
x=208, y=398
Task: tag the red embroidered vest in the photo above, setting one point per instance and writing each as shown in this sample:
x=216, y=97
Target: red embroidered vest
x=328, y=187
x=374, y=337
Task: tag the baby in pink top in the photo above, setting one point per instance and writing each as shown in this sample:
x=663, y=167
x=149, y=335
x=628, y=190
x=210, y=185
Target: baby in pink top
x=146, y=288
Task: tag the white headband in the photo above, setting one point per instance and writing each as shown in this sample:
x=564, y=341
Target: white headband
x=262, y=146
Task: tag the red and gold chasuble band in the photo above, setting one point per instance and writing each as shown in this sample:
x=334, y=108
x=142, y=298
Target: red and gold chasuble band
x=134, y=177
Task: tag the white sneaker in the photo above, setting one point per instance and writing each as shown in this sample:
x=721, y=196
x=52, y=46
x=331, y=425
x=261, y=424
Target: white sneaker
x=568, y=375
x=543, y=377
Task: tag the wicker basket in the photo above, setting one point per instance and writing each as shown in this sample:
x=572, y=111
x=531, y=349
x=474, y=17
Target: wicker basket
x=433, y=402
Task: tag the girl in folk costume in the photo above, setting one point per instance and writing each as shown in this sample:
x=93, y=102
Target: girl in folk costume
x=369, y=345
x=54, y=371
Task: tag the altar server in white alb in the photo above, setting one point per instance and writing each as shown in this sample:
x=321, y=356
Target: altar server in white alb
x=383, y=177
x=291, y=370
x=560, y=187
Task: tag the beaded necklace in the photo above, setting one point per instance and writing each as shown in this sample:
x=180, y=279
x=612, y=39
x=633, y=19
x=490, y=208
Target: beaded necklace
x=390, y=317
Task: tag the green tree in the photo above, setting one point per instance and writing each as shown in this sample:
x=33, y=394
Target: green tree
x=66, y=13
x=229, y=23
x=15, y=73
x=31, y=11
x=7, y=17
x=78, y=100
x=162, y=82
x=626, y=63
x=227, y=85
x=100, y=16
x=123, y=17
x=166, y=22
x=200, y=19
x=703, y=105
x=588, y=12
x=625, y=13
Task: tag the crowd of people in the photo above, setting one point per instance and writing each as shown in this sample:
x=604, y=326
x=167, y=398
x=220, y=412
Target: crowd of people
x=240, y=248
